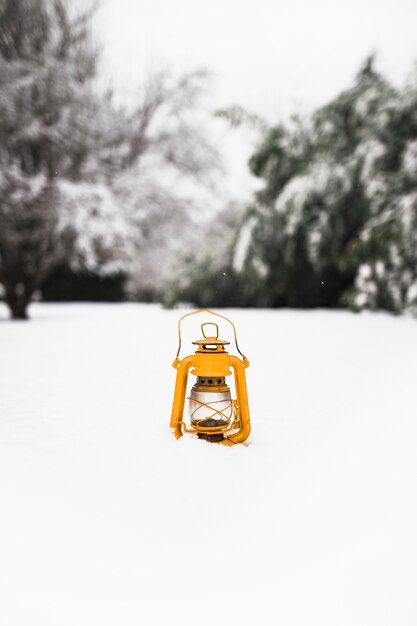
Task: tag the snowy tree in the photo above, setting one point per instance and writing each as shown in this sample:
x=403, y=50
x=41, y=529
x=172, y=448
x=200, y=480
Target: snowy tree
x=70, y=158
x=171, y=186
x=205, y=276
x=50, y=125
x=384, y=254
x=335, y=223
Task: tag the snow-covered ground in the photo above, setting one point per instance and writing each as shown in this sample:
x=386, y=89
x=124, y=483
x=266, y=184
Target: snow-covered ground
x=105, y=519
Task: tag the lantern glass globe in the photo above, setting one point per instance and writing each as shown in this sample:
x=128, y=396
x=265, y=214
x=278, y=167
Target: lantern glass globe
x=210, y=405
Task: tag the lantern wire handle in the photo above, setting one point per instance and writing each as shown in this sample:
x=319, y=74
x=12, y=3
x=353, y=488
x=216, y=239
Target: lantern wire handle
x=176, y=362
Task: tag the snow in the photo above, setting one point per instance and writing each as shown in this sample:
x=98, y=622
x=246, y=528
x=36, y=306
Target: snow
x=322, y=178
x=243, y=244
x=105, y=236
x=106, y=519
x=410, y=158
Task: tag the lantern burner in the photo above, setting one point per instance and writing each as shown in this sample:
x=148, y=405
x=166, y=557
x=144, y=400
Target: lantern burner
x=213, y=438
x=211, y=381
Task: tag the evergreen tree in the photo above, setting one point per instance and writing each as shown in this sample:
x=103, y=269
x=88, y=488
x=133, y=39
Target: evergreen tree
x=335, y=223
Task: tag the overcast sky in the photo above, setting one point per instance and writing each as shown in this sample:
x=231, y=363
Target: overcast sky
x=272, y=56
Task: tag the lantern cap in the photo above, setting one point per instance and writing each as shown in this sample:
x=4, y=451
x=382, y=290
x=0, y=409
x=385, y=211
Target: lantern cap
x=213, y=341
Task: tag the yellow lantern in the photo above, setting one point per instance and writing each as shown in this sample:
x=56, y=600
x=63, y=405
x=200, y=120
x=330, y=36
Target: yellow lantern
x=214, y=415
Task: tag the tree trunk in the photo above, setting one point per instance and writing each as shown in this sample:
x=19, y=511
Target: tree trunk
x=20, y=311
x=18, y=305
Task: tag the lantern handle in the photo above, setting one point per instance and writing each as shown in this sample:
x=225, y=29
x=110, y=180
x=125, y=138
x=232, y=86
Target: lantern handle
x=177, y=361
x=210, y=324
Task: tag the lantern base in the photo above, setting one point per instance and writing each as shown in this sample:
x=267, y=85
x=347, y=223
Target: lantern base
x=213, y=438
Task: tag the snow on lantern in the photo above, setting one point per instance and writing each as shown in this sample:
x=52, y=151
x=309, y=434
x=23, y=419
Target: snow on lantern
x=214, y=415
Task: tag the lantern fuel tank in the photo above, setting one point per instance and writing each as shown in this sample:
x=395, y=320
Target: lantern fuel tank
x=213, y=414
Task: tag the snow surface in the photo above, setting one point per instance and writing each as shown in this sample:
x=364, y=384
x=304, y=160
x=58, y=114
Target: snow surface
x=106, y=519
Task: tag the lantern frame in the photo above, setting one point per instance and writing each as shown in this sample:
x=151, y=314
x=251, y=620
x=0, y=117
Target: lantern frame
x=214, y=362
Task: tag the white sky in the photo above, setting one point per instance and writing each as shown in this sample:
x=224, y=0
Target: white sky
x=270, y=56
x=273, y=57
